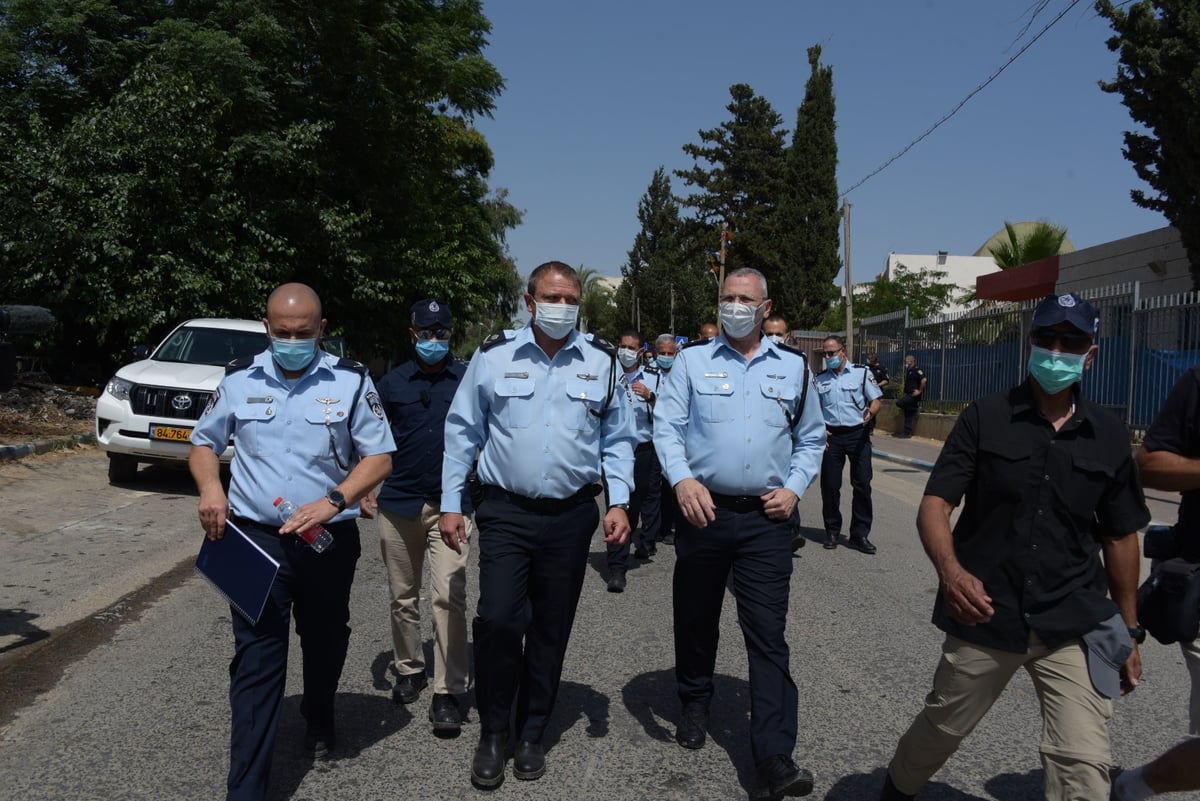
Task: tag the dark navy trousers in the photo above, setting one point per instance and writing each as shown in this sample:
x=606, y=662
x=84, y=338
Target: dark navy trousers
x=856, y=446
x=531, y=568
x=758, y=553
x=643, y=504
x=316, y=587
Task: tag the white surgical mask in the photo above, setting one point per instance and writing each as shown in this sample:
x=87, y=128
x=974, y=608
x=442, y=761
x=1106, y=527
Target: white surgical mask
x=557, y=320
x=738, y=319
x=628, y=357
x=776, y=338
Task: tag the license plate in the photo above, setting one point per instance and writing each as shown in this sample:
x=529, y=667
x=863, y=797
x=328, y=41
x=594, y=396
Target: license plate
x=172, y=433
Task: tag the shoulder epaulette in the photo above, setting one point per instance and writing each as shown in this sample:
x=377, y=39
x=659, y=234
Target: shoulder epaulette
x=651, y=368
x=702, y=341
x=790, y=349
x=494, y=340
x=239, y=364
x=351, y=364
x=603, y=344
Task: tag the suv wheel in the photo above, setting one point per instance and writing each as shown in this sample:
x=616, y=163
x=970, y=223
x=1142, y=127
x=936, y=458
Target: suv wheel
x=122, y=468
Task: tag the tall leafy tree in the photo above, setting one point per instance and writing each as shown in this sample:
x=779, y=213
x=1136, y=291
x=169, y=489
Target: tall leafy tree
x=1158, y=80
x=805, y=225
x=922, y=292
x=1041, y=242
x=664, y=267
x=736, y=179
x=172, y=158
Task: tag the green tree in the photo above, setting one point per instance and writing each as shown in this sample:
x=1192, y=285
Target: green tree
x=1158, y=80
x=597, y=311
x=737, y=177
x=664, y=267
x=1042, y=242
x=170, y=159
x=923, y=293
x=806, y=220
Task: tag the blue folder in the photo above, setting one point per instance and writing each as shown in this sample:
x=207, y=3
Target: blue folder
x=238, y=569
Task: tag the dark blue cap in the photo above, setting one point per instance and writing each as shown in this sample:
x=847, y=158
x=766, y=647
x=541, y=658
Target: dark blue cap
x=428, y=313
x=1069, y=308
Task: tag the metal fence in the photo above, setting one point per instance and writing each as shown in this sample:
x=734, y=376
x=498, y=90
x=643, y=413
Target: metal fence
x=1146, y=344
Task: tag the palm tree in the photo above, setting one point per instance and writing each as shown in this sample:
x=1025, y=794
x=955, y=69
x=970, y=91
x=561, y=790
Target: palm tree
x=1041, y=242
x=596, y=297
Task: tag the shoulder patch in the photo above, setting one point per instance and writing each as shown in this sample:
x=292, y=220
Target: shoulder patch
x=350, y=364
x=239, y=364
x=604, y=345
x=694, y=342
x=376, y=405
x=494, y=340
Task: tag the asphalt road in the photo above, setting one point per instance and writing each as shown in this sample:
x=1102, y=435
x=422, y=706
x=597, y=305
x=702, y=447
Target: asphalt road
x=128, y=699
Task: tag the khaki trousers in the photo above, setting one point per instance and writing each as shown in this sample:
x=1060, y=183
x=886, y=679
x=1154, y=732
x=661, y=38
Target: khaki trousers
x=968, y=680
x=404, y=543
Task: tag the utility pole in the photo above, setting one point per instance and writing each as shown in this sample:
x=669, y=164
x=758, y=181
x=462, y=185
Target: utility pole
x=672, y=328
x=849, y=283
x=725, y=237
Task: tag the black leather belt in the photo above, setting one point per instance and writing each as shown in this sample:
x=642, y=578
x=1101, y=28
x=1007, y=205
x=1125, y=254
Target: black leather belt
x=843, y=429
x=542, y=506
x=737, y=503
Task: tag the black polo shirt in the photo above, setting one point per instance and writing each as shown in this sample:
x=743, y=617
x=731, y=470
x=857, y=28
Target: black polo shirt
x=416, y=403
x=1176, y=429
x=880, y=372
x=912, y=379
x=1038, y=503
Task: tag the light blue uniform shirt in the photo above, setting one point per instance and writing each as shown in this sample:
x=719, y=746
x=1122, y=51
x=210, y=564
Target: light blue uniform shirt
x=643, y=412
x=844, y=397
x=722, y=420
x=531, y=419
x=280, y=431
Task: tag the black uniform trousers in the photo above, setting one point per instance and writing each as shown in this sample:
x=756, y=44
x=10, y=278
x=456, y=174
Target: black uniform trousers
x=911, y=406
x=668, y=507
x=532, y=561
x=316, y=587
x=643, y=503
x=842, y=442
x=758, y=552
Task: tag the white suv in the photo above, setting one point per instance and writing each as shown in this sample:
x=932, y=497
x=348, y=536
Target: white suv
x=148, y=410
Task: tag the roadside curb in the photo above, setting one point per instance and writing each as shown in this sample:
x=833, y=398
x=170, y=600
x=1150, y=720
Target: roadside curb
x=892, y=457
x=12, y=452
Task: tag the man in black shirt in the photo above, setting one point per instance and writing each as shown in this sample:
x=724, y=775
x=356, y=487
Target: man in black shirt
x=914, y=389
x=879, y=371
x=1049, y=484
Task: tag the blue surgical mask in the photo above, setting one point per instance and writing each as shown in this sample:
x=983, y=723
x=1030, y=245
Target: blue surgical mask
x=1055, y=371
x=557, y=320
x=432, y=351
x=665, y=362
x=293, y=355
x=833, y=362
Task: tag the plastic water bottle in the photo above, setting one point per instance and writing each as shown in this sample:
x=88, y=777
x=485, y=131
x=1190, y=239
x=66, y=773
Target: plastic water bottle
x=316, y=536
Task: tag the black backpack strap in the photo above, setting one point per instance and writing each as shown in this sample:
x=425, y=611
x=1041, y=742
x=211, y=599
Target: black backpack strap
x=611, y=351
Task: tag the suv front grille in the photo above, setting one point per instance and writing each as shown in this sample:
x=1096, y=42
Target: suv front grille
x=180, y=404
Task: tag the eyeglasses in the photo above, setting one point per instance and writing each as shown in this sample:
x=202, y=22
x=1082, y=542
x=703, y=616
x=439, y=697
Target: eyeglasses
x=426, y=334
x=1071, y=340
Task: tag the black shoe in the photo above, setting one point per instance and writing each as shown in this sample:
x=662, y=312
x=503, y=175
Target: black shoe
x=902, y=435
x=651, y=549
x=444, y=713
x=616, y=582
x=668, y=538
x=408, y=688
x=640, y=552
x=863, y=544
x=830, y=542
x=529, y=761
x=693, y=721
x=798, y=542
x=487, y=768
x=890, y=793
x=319, y=743
x=778, y=775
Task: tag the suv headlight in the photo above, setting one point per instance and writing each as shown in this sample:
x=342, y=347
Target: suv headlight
x=119, y=388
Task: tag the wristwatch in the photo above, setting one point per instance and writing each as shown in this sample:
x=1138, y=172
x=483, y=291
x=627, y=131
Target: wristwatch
x=1138, y=633
x=621, y=506
x=337, y=499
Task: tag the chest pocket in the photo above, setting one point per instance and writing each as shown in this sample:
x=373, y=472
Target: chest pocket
x=317, y=442
x=584, y=395
x=514, y=402
x=715, y=399
x=778, y=402
x=255, y=423
x=1004, y=467
x=1084, y=491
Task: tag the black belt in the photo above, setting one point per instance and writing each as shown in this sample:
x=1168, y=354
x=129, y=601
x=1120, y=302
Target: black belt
x=843, y=429
x=737, y=503
x=542, y=506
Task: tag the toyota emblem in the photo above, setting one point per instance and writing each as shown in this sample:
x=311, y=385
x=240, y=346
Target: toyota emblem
x=181, y=402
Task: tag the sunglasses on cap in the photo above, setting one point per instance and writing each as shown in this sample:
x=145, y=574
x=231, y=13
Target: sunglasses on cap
x=1071, y=340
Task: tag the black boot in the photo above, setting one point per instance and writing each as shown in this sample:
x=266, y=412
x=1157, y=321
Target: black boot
x=487, y=769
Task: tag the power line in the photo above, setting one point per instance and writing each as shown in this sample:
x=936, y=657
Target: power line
x=963, y=102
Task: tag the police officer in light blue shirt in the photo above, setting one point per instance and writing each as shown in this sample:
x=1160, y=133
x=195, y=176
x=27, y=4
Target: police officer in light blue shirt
x=849, y=400
x=543, y=408
x=740, y=434
x=309, y=428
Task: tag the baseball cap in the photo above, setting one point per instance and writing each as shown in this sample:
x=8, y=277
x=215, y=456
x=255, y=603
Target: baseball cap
x=1069, y=308
x=428, y=313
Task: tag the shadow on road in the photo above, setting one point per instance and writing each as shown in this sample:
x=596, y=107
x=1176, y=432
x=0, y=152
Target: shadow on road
x=859, y=786
x=16, y=622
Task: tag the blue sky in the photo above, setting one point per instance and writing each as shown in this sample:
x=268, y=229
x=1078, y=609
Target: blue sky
x=599, y=95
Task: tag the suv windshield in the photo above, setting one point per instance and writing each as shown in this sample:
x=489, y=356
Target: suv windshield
x=215, y=346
